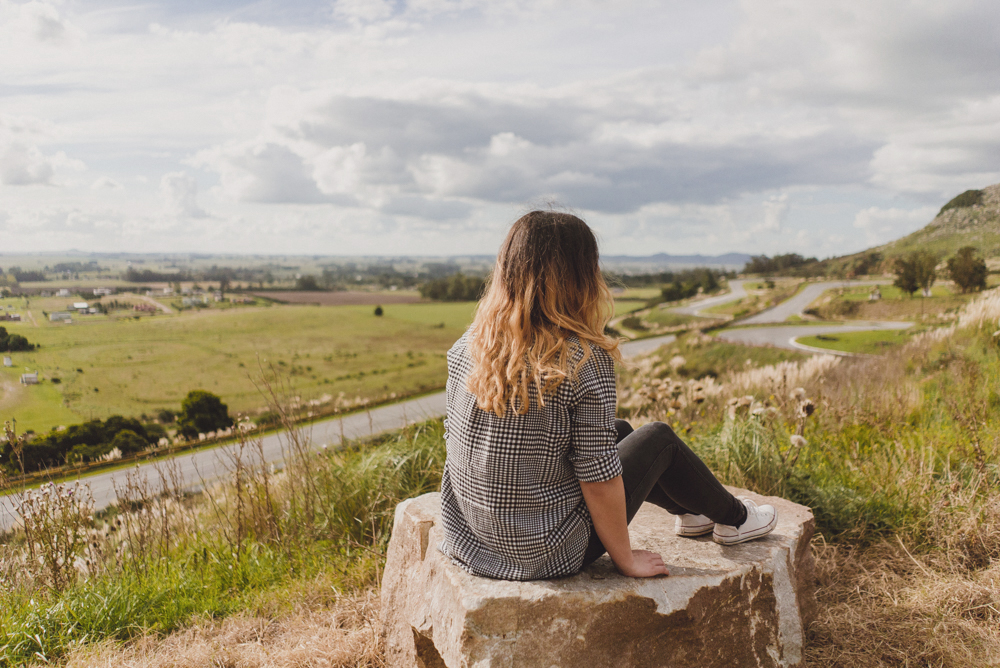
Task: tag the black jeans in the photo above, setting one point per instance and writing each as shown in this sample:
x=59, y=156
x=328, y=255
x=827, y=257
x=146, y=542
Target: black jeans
x=658, y=467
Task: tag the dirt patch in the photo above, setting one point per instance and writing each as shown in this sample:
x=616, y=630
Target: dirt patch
x=344, y=298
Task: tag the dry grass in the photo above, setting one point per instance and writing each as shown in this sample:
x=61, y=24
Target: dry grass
x=886, y=607
x=345, y=635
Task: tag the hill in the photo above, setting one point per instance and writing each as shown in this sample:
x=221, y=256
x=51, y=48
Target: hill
x=971, y=219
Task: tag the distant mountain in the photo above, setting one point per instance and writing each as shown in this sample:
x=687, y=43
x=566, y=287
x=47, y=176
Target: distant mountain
x=971, y=219
x=667, y=262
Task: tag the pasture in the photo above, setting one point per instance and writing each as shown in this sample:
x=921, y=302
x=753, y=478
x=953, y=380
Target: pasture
x=104, y=365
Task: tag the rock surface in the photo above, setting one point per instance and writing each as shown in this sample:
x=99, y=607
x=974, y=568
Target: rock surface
x=743, y=605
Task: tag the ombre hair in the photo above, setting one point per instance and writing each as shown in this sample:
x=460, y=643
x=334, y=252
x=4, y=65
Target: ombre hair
x=546, y=286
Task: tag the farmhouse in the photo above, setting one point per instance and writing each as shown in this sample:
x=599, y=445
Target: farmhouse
x=29, y=378
x=102, y=292
x=60, y=316
x=10, y=317
x=81, y=306
x=63, y=292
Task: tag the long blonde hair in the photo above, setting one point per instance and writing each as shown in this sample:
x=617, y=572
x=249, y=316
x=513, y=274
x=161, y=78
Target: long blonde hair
x=546, y=285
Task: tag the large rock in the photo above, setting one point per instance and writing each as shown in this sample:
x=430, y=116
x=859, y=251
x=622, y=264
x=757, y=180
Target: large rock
x=743, y=605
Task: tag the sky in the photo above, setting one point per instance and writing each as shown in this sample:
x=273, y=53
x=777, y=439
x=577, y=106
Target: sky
x=425, y=127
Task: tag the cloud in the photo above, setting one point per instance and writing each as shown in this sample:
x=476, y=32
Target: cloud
x=775, y=213
x=179, y=192
x=882, y=225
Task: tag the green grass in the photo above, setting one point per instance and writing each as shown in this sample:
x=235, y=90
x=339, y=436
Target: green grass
x=142, y=366
x=866, y=343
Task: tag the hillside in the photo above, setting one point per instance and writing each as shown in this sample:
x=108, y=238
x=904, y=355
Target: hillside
x=970, y=219
x=956, y=226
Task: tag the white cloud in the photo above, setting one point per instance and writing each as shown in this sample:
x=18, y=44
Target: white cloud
x=882, y=225
x=180, y=195
x=775, y=213
x=763, y=124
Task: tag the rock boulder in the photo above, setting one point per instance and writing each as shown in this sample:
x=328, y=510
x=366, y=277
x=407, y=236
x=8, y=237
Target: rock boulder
x=742, y=605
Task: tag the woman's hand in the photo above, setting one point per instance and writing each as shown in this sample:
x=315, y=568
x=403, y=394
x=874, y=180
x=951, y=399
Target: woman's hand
x=645, y=564
x=606, y=503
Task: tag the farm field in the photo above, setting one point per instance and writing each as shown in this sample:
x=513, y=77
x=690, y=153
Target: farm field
x=104, y=365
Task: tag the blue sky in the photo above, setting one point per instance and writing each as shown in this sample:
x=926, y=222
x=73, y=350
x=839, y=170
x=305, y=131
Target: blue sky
x=426, y=127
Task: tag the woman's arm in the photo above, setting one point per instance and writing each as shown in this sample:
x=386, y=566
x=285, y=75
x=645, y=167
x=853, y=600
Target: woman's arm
x=606, y=503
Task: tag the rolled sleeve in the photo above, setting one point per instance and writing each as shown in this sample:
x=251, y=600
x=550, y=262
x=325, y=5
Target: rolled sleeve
x=593, y=448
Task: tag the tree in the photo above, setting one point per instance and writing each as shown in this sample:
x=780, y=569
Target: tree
x=13, y=343
x=308, y=283
x=968, y=269
x=378, y=311
x=202, y=412
x=915, y=271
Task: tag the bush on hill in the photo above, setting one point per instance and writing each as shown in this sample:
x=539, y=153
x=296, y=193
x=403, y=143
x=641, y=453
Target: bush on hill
x=966, y=199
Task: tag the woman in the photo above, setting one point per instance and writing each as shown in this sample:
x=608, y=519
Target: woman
x=540, y=478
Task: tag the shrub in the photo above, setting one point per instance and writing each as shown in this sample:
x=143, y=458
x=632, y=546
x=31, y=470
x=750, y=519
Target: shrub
x=966, y=199
x=378, y=311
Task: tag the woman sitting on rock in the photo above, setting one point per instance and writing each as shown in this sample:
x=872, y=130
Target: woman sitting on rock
x=540, y=478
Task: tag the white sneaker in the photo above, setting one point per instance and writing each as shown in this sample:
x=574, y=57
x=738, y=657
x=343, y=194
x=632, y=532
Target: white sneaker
x=693, y=525
x=761, y=521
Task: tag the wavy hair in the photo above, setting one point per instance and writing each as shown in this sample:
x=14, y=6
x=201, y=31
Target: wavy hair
x=546, y=285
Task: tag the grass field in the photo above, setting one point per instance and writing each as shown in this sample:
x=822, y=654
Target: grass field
x=854, y=304
x=119, y=365
x=867, y=343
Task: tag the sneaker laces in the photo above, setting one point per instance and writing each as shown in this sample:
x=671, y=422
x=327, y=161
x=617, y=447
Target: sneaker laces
x=752, y=508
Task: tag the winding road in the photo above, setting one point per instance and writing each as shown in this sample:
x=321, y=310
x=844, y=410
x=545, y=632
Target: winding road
x=800, y=301
x=736, y=291
x=784, y=337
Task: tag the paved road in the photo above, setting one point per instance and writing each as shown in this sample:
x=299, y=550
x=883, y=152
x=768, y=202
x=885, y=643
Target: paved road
x=800, y=302
x=784, y=337
x=212, y=463
x=736, y=291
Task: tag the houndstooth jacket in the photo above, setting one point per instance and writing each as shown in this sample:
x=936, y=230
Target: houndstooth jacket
x=511, y=502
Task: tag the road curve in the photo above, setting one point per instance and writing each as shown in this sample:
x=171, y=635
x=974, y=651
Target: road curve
x=799, y=302
x=736, y=291
x=784, y=337
x=212, y=463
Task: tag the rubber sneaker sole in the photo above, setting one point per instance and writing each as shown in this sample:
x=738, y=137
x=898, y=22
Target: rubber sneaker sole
x=742, y=538
x=690, y=532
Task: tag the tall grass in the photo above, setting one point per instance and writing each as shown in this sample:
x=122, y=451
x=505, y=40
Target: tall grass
x=155, y=562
